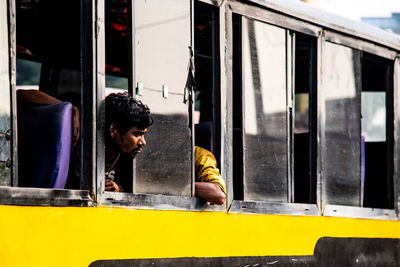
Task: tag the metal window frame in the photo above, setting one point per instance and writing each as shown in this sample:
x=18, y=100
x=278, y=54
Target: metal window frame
x=271, y=17
x=90, y=113
x=12, y=48
x=167, y=202
x=354, y=211
x=358, y=44
x=290, y=25
x=396, y=134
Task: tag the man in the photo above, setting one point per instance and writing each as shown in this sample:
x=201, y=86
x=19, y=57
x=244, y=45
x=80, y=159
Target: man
x=209, y=184
x=126, y=124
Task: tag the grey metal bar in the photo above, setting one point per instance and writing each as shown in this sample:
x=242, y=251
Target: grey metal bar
x=358, y=212
x=158, y=202
x=225, y=63
x=396, y=135
x=320, y=120
x=275, y=18
x=13, y=81
x=359, y=44
x=20, y=196
x=88, y=95
x=100, y=91
x=290, y=78
x=257, y=207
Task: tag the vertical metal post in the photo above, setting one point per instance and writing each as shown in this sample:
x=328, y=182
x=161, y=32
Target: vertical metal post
x=100, y=92
x=320, y=122
x=92, y=94
x=396, y=137
x=13, y=97
x=290, y=45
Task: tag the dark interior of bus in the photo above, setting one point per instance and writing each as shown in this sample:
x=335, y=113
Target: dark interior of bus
x=49, y=58
x=206, y=56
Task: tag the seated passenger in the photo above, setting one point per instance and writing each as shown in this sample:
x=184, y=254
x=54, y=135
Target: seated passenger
x=209, y=184
x=126, y=124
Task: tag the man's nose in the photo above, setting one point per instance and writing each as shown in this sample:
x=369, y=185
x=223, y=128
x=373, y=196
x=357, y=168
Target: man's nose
x=142, y=141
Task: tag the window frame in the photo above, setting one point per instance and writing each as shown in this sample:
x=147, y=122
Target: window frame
x=323, y=34
x=290, y=25
x=21, y=196
x=353, y=211
x=158, y=201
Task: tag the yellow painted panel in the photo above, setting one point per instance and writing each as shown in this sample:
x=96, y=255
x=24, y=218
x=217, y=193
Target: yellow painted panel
x=67, y=236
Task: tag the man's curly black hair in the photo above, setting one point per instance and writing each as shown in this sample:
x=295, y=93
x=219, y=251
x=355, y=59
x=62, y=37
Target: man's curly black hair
x=125, y=112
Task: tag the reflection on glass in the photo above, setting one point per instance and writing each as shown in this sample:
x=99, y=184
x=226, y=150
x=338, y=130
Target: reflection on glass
x=5, y=175
x=264, y=49
x=340, y=140
x=373, y=110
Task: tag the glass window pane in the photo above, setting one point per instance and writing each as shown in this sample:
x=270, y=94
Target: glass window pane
x=265, y=119
x=161, y=59
x=5, y=172
x=340, y=140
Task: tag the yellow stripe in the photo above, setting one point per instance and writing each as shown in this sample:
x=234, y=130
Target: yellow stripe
x=46, y=236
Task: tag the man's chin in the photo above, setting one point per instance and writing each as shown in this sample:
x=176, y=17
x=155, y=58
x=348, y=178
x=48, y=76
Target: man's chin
x=134, y=153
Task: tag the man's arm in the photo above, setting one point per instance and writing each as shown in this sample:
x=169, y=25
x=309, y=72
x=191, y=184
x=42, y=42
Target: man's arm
x=35, y=97
x=210, y=192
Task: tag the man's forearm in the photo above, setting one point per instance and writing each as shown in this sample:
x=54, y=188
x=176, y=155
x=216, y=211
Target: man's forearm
x=210, y=192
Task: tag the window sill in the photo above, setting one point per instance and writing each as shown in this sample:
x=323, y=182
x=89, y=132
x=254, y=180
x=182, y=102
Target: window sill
x=259, y=207
x=157, y=202
x=21, y=196
x=359, y=212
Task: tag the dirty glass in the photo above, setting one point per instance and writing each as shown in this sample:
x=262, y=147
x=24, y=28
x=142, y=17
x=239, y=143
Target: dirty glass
x=162, y=37
x=340, y=139
x=265, y=117
x=5, y=172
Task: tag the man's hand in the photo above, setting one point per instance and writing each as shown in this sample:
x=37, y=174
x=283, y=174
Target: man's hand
x=111, y=186
x=76, y=126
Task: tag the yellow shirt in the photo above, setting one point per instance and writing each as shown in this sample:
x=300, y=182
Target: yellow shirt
x=206, y=168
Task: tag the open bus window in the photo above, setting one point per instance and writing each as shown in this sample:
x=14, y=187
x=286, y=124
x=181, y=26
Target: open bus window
x=377, y=133
x=117, y=45
x=357, y=145
x=206, y=117
x=48, y=63
x=304, y=128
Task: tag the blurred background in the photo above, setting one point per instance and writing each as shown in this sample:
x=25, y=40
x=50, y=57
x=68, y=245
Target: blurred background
x=384, y=14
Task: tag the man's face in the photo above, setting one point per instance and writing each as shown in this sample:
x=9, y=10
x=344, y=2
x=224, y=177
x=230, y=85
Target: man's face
x=131, y=142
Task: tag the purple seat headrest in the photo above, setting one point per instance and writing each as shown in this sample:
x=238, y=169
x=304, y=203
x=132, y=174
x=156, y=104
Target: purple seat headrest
x=44, y=145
